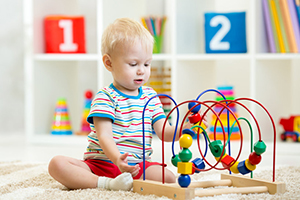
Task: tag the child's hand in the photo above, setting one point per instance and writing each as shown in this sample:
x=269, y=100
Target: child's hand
x=205, y=120
x=124, y=167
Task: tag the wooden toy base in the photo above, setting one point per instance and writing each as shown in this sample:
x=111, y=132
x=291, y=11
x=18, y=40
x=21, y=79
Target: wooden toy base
x=241, y=184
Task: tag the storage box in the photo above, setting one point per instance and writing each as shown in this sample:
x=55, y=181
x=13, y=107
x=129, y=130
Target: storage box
x=64, y=34
x=225, y=32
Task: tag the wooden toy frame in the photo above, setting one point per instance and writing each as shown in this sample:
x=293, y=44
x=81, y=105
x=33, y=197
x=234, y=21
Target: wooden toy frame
x=185, y=189
x=240, y=183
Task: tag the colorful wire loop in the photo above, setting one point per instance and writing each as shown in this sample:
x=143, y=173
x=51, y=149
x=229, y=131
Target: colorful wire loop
x=217, y=147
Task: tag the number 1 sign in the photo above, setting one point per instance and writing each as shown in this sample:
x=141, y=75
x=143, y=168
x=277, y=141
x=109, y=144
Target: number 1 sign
x=225, y=32
x=64, y=34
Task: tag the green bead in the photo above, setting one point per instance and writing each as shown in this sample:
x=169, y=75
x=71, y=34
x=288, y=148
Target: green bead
x=260, y=147
x=216, y=148
x=185, y=155
x=175, y=159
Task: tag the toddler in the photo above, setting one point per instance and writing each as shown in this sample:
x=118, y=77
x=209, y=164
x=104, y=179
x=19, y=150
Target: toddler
x=115, y=151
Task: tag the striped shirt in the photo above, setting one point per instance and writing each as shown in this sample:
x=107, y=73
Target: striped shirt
x=126, y=114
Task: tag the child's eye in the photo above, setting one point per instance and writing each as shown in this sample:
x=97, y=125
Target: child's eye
x=132, y=64
x=146, y=65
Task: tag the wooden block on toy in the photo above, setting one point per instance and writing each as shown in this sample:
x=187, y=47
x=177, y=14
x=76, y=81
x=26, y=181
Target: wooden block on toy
x=225, y=32
x=226, y=161
x=185, y=167
x=64, y=34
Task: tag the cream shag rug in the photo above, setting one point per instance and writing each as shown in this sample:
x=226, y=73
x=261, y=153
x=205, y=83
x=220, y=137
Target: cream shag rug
x=20, y=180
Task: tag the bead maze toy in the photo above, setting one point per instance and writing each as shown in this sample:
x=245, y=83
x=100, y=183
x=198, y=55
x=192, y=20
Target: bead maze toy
x=185, y=189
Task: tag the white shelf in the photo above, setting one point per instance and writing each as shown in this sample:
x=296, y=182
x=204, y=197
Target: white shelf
x=162, y=57
x=272, y=79
x=67, y=57
x=213, y=57
x=278, y=56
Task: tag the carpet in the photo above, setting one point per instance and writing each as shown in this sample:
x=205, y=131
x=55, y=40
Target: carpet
x=21, y=180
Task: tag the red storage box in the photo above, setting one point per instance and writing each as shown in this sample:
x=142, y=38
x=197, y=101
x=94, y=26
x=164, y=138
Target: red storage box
x=64, y=34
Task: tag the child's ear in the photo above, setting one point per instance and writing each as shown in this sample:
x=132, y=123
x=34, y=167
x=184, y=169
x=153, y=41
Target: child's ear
x=107, y=62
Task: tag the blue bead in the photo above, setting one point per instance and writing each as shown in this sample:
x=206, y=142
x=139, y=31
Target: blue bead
x=242, y=168
x=196, y=109
x=199, y=163
x=184, y=180
x=188, y=131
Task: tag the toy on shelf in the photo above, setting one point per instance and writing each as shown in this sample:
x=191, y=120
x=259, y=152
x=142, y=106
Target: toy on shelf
x=225, y=32
x=160, y=81
x=61, y=124
x=156, y=26
x=217, y=148
x=291, y=128
x=64, y=34
x=85, y=126
x=228, y=92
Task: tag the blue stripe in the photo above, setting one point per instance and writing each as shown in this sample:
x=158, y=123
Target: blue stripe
x=90, y=117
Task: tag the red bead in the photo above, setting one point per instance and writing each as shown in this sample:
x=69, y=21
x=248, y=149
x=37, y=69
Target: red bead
x=193, y=169
x=88, y=94
x=194, y=118
x=226, y=161
x=254, y=159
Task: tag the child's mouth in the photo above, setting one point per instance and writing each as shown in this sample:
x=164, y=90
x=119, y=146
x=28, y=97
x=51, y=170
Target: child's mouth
x=138, y=81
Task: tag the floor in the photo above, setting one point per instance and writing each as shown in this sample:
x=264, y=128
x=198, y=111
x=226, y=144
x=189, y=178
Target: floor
x=15, y=148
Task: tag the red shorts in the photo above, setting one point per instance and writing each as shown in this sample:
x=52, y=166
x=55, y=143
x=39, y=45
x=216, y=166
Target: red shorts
x=107, y=169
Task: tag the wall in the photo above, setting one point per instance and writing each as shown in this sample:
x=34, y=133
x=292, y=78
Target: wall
x=11, y=68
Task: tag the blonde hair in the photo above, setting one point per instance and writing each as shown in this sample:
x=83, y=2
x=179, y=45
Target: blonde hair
x=125, y=30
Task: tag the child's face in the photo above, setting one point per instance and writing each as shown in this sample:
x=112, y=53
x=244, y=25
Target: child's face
x=130, y=67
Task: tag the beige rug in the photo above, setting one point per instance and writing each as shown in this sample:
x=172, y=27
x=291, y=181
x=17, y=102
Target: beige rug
x=20, y=180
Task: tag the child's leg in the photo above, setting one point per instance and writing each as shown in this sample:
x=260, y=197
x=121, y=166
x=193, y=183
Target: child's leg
x=75, y=174
x=72, y=173
x=154, y=172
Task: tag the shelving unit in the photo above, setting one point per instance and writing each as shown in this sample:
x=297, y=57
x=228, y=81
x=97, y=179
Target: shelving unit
x=271, y=79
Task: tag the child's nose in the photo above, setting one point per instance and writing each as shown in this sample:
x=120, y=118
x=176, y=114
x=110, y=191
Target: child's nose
x=141, y=70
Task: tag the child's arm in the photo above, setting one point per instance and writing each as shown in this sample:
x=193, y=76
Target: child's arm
x=104, y=133
x=169, y=130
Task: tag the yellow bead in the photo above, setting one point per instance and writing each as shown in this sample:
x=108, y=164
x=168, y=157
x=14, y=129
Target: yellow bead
x=184, y=167
x=249, y=165
x=234, y=168
x=185, y=141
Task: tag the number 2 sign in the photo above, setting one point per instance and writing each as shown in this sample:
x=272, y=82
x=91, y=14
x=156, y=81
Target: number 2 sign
x=225, y=32
x=64, y=34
